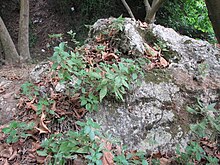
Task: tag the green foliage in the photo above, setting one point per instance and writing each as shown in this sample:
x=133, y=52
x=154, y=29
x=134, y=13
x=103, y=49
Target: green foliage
x=194, y=152
x=17, y=130
x=118, y=24
x=93, y=84
x=209, y=119
x=29, y=89
x=57, y=36
x=126, y=159
x=73, y=37
x=197, y=15
x=189, y=17
x=88, y=142
x=66, y=146
x=44, y=103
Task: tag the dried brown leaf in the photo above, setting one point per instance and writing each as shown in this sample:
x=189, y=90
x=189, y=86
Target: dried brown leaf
x=6, y=152
x=143, y=24
x=6, y=162
x=165, y=161
x=163, y=62
x=42, y=126
x=107, y=158
x=150, y=51
x=14, y=155
x=109, y=56
x=30, y=105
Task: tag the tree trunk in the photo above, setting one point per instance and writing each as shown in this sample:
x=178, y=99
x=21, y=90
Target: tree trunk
x=128, y=8
x=10, y=52
x=23, y=36
x=213, y=7
x=151, y=10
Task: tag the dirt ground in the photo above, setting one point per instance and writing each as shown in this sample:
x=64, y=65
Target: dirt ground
x=11, y=79
x=42, y=22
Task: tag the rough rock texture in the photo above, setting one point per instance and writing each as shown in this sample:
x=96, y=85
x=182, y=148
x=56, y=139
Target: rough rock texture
x=11, y=79
x=154, y=116
x=39, y=71
x=131, y=40
x=7, y=108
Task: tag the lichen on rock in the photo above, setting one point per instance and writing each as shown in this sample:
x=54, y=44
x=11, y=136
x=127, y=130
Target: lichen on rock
x=153, y=117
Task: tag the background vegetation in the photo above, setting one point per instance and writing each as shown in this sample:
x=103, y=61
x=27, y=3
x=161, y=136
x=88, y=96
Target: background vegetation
x=188, y=17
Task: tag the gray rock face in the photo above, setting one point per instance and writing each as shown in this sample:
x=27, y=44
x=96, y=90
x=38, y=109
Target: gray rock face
x=198, y=68
x=154, y=116
x=146, y=121
x=39, y=71
x=7, y=105
x=132, y=40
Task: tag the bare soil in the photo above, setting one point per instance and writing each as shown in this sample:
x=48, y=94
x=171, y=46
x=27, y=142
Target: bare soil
x=11, y=79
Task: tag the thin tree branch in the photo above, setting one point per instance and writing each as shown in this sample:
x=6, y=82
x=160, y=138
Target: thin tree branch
x=154, y=2
x=147, y=5
x=128, y=8
x=156, y=5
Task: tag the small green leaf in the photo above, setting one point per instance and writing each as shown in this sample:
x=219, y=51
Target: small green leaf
x=56, y=49
x=83, y=102
x=61, y=46
x=134, y=76
x=14, y=139
x=55, y=65
x=82, y=150
x=14, y=124
x=58, y=59
x=95, y=75
x=103, y=93
x=24, y=135
x=95, y=125
x=125, y=83
x=6, y=130
x=144, y=162
x=88, y=106
x=42, y=153
x=92, y=135
x=211, y=107
x=191, y=110
x=80, y=123
x=87, y=130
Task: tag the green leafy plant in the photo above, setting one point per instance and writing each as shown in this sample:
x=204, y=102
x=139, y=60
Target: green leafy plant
x=57, y=36
x=209, y=119
x=118, y=23
x=188, y=17
x=127, y=159
x=44, y=103
x=73, y=37
x=87, y=142
x=66, y=146
x=17, y=130
x=29, y=89
x=194, y=152
x=93, y=84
